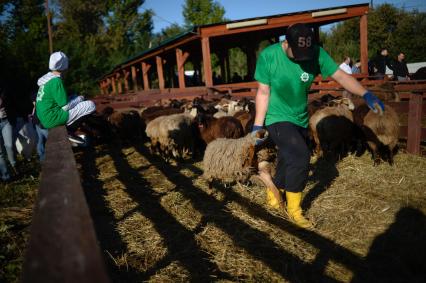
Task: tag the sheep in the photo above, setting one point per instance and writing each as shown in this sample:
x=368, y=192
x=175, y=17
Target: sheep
x=127, y=124
x=227, y=108
x=153, y=112
x=246, y=118
x=380, y=131
x=230, y=160
x=211, y=128
x=172, y=135
x=332, y=127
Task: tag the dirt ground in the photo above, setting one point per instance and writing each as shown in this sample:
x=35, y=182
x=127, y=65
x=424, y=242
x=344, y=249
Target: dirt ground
x=159, y=222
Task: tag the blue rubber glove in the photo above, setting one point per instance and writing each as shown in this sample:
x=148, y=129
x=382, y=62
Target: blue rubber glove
x=254, y=130
x=372, y=100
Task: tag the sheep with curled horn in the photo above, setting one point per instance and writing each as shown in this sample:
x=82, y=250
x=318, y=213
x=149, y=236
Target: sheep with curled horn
x=332, y=127
x=231, y=160
x=379, y=130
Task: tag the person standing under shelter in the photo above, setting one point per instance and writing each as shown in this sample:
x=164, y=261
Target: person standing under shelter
x=52, y=106
x=400, y=70
x=346, y=65
x=285, y=72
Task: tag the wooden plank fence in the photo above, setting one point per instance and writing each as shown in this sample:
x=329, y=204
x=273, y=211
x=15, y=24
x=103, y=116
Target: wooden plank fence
x=63, y=245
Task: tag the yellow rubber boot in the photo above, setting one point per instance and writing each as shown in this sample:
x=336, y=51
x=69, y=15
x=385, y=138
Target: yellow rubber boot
x=273, y=198
x=294, y=210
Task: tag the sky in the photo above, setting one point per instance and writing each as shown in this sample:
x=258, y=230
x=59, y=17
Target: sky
x=170, y=11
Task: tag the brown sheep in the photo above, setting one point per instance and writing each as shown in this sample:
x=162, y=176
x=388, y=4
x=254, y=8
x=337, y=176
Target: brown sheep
x=211, y=128
x=127, y=124
x=380, y=131
x=332, y=127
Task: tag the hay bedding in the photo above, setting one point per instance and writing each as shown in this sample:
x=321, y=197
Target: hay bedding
x=239, y=236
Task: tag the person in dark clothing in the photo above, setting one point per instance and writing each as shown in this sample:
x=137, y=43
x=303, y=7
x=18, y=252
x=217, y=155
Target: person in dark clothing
x=380, y=62
x=400, y=70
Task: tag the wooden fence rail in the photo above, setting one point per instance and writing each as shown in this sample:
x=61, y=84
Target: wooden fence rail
x=63, y=245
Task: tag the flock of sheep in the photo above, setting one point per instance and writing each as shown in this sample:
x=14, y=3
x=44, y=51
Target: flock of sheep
x=218, y=130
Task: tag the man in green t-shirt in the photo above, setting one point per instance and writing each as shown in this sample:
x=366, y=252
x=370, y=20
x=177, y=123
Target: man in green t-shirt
x=285, y=72
x=52, y=105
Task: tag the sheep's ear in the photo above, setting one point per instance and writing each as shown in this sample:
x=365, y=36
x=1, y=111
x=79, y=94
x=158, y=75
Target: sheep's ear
x=249, y=158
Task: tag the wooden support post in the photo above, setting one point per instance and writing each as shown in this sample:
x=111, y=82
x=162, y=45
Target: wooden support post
x=414, y=123
x=363, y=44
x=101, y=87
x=145, y=69
x=207, y=64
x=114, y=86
x=228, y=67
x=180, y=59
x=126, y=80
x=109, y=83
x=160, y=72
x=119, y=84
x=134, y=80
x=222, y=63
x=251, y=59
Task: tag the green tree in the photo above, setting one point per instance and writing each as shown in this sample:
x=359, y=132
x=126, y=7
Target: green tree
x=167, y=33
x=128, y=31
x=201, y=12
x=390, y=27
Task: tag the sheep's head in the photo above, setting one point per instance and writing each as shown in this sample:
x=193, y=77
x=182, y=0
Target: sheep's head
x=343, y=101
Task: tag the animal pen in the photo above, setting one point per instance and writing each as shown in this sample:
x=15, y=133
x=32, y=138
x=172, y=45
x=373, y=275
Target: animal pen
x=63, y=245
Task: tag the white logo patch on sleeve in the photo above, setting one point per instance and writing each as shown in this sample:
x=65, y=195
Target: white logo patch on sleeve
x=304, y=77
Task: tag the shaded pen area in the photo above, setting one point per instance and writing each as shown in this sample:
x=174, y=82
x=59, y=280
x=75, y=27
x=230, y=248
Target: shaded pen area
x=232, y=229
x=180, y=242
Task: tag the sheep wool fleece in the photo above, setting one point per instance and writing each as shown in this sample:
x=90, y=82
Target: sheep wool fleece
x=289, y=82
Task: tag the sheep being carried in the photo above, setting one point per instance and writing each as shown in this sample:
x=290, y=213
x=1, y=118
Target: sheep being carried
x=230, y=160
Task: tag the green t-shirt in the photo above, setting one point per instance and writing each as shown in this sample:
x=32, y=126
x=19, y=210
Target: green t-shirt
x=51, y=97
x=289, y=82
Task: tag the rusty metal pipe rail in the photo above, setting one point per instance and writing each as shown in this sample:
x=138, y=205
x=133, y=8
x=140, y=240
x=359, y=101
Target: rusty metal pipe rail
x=63, y=245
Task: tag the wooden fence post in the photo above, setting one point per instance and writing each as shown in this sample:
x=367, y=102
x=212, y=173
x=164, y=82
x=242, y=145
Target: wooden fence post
x=414, y=122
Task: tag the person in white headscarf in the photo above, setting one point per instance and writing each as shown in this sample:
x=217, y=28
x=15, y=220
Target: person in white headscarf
x=52, y=105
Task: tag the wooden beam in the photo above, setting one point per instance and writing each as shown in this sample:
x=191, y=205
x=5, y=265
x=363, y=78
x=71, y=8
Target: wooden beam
x=207, y=64
x=62, y=245
x=180, y=59
x=119, y=84
x=114, y=86
x=145, y=69
x=134, y=79
x=414, y=123
x=284, y=21
x=363, y=43
x=160, y=71
x=126, y=80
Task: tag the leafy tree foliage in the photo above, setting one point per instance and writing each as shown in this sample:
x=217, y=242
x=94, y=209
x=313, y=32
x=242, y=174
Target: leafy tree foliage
x=390, y=27
x=201, y=12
